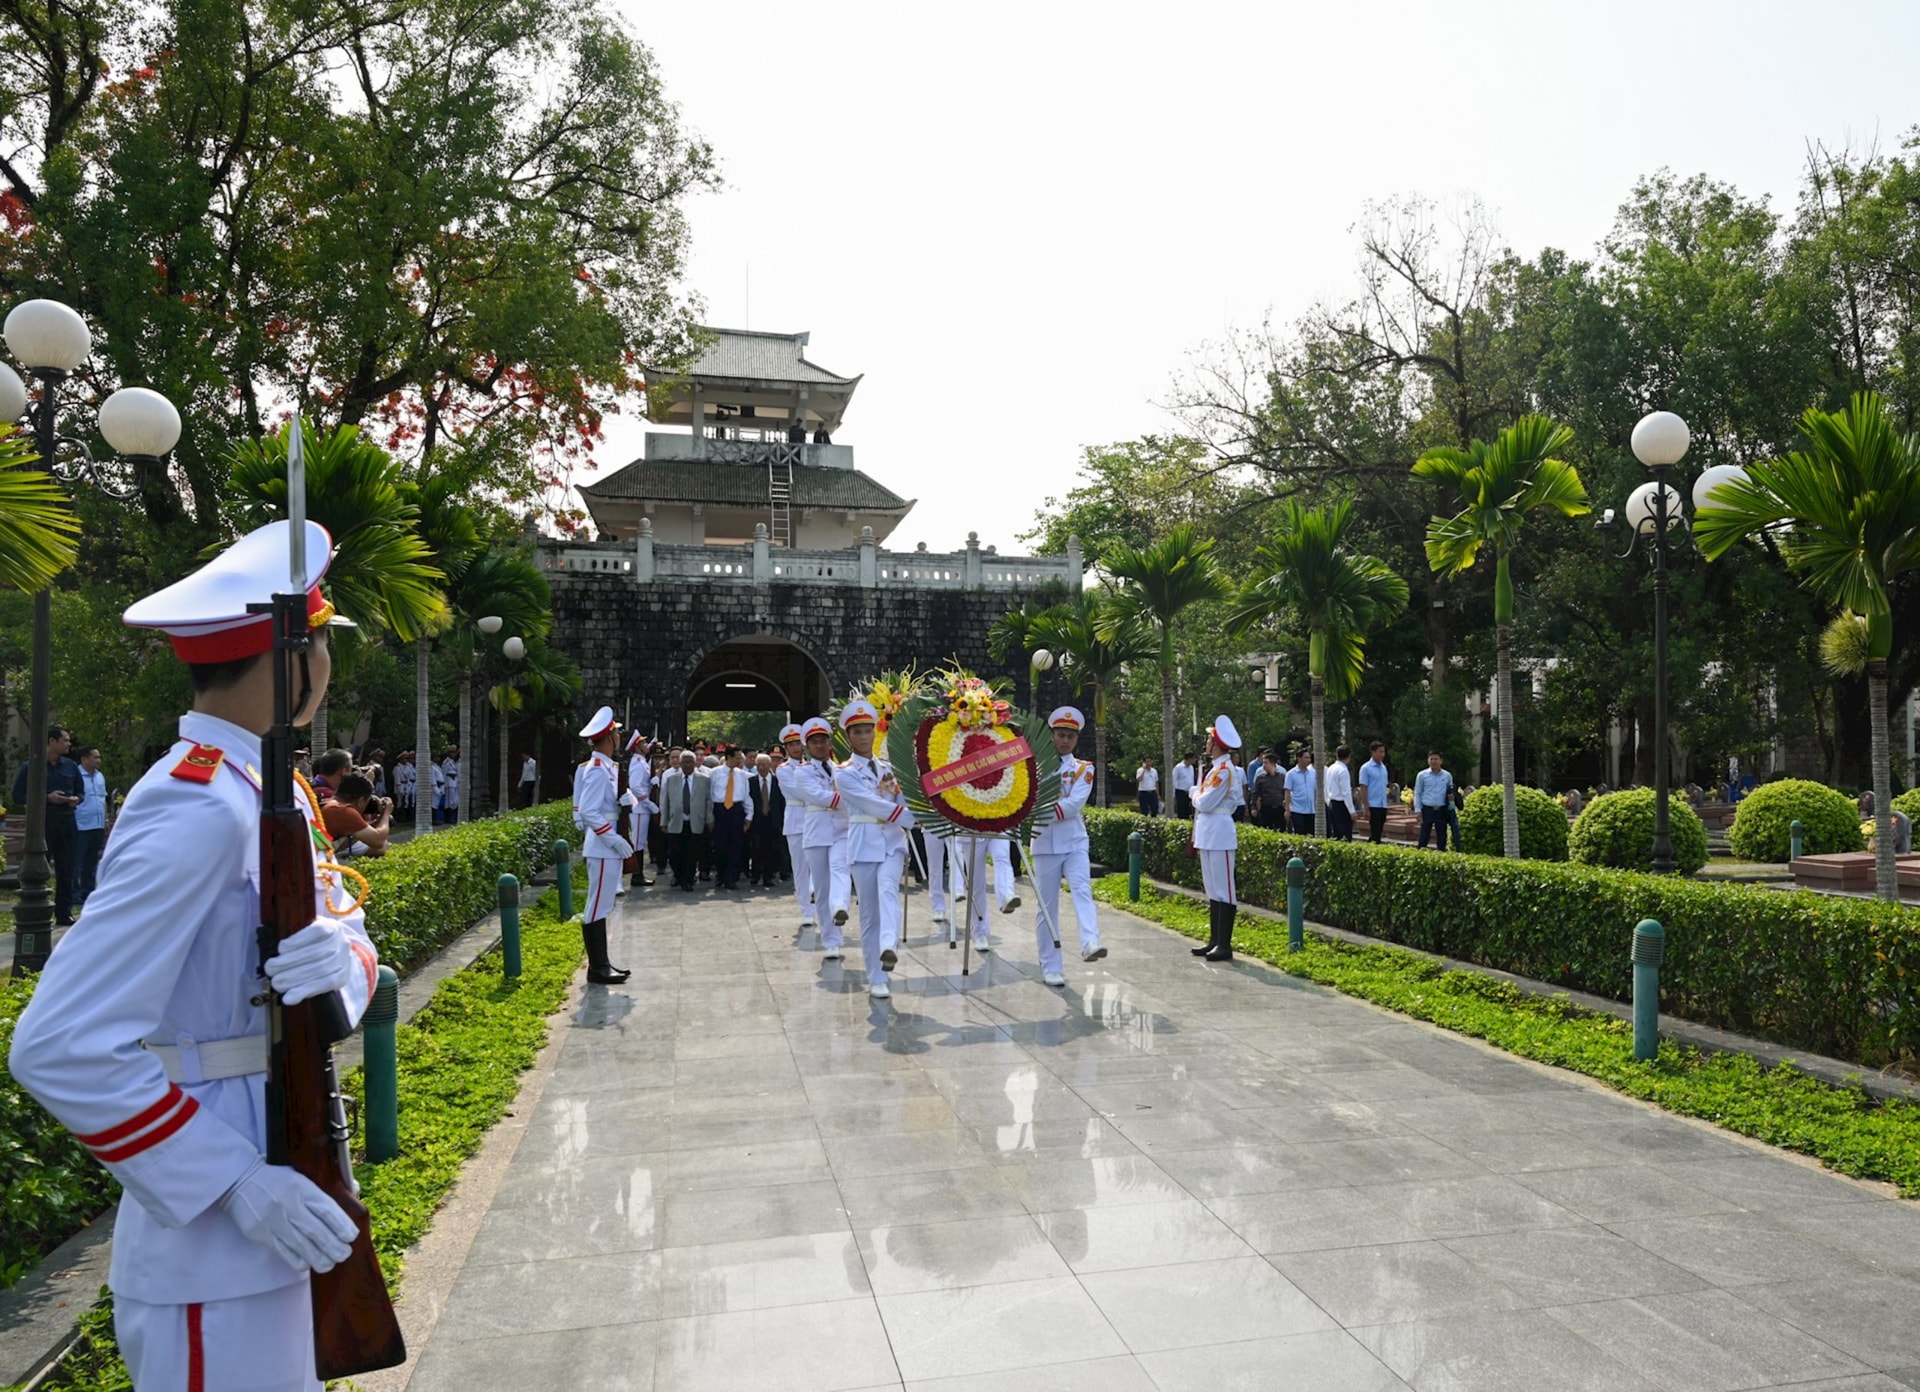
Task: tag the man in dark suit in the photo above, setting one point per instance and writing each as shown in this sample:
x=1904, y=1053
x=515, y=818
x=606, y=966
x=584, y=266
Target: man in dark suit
x=732, y=819
x=769, y=815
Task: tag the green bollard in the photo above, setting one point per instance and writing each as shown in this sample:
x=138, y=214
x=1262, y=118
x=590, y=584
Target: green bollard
x=510, y=927
x=1796, y=839
x=382, y=1065
x=1135, y=844
x=563, y=872
x=1649, y=949
x=1296, y=904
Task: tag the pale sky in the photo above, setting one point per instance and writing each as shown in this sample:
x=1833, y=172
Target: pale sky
x=1019, y=220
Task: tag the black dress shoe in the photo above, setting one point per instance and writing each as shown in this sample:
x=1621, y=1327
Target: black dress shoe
x=607, y=976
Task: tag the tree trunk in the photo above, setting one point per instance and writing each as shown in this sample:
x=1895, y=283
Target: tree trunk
x=1885, y=882
x=464, y=763
x=422, y=739
x=503, y=798
x=1503, y=734
x=1100, y=743
x=1166, y=711
x=1317, y=687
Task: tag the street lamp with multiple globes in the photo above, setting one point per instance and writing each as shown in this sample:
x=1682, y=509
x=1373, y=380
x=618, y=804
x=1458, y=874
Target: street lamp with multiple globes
x=51, y=341
x=1660, y=442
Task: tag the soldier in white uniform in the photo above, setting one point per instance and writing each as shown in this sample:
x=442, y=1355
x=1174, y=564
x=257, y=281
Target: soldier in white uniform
x=639, y=800
x=1217, y=838
x=596, y=805
x=1060, y=849
x=794, y=821
x=1005, y=888
x=812, y=783
x=144, y=1036
x=876, y=850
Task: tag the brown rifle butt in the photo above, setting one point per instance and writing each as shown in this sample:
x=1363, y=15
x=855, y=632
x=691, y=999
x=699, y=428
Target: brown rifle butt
x=354, y=1327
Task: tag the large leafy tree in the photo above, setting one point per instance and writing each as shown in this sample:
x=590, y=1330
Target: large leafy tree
x=1155, y=585
x=437, y=218
x=1844, y=511
x=1499, y=485
x=1310, y=575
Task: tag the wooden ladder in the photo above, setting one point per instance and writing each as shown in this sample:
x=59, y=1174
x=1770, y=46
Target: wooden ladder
x=780, y=498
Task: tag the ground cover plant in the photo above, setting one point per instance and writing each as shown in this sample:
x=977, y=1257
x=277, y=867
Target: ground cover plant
x=1844, y=1127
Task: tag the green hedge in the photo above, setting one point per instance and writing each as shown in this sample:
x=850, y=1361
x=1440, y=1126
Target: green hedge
x=424, y=894
x=1839, y=976
x=1763, y=822
x=1543, y=823
x=1616, y=830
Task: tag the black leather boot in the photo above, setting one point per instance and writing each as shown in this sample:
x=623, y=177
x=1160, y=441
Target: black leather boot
x=1223, y=950
x=600, y=971
x=1213, y=929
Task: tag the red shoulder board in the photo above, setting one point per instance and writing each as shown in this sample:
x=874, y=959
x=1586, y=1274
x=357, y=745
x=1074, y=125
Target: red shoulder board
x=200, y=763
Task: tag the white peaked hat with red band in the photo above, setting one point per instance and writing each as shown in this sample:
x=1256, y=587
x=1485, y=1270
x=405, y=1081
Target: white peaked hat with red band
x=859, y=713
x=1222, y=730
x=206, y=614
x=816, y=726
x=789, y=732
x=1067, y=718
x=601, y=725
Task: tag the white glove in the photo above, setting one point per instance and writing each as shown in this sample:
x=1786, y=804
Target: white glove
x=317, y=959
x=618, y=844
x=627, y=799
x=291, y=1216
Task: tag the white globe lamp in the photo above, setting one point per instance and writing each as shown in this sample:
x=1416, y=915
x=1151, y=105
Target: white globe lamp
x=515, y=648
x=13, y=394
x=1711, y=479
x=489, y=624
x=139, y=423
x=1042, y=659
x=47, y=336
x=1640, y=506
x=1660, y=440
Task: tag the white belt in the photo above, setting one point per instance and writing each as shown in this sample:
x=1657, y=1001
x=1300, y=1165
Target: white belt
x=205, y=1061
x=875, y=820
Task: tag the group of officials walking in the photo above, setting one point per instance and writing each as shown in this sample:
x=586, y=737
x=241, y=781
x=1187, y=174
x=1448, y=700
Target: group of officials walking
x=848, y=832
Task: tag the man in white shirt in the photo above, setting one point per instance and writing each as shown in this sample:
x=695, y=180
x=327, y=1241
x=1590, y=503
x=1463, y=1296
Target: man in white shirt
x=89, y=824
x=529, y=780
x=1302, y=789
x=1183, y=789
x=1340, y=797
x=1146, y=783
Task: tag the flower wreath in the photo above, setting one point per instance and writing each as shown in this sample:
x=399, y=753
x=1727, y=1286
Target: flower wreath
x=972, y=723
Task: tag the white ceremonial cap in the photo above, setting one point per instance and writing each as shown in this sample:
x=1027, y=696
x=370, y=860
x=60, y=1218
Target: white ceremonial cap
x=636, y=741
x=601, y=724
x=789, y=732
x=859, y=713
x=206, y=614
x=1068, y=716
x=816, y=726
x=1222, y=730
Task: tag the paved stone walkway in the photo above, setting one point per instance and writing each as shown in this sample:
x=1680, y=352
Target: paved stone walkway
x=744, y=1175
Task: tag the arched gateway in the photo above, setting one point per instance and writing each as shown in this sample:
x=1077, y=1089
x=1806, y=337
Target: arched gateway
x=739, y=565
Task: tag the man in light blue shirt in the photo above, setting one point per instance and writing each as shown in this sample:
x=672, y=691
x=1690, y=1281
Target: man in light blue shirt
x=1432, y=796
x=1373, y=784
x=89, y=824
x=1302, y=781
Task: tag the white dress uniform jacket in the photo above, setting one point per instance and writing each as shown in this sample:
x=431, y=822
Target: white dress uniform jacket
x=1219, y=793
x=596, y=806
x=794, y=820
x=1067, y=832
x=167, y=953
x=813, y=783
x=876, y=810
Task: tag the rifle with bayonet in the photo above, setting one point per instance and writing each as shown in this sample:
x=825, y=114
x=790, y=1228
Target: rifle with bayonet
x=354, y=1327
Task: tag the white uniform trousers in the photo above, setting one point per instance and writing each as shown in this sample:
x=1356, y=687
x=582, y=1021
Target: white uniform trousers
x=1216, y=873
x=603, y=885
x=972, y=881
x=253, y=1343
x=1047, y=873
x=802, y=876
x=1000, y=853
x=820, y=872
x=641, y=822
x=841, y=877
x=936, y=868
x=878, y=883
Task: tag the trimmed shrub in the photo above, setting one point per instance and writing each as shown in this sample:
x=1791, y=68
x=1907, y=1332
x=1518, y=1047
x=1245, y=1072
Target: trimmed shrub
x=1839, y=976
x=1762, y=823
x=1543, y=823
x=1909, y=803
x=1616, y=829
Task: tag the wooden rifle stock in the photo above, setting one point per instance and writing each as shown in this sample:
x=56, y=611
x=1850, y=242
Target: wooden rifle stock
x=354, y=1326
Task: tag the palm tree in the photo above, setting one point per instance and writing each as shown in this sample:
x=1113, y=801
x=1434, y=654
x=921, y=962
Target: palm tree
x=1090, y=658
x=507, y=586
x=1309, y=574
x=1157, y=583
x=452, y=536
x=1845, y=513
x=383, y=576
x=39, y=535
x=1499, y=484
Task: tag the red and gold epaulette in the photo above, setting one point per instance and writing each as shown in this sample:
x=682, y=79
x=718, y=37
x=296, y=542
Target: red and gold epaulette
x=200, y=763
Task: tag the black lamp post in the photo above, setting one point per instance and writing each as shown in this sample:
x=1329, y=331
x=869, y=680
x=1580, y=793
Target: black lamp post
x=1660, y=442
x=50, y=341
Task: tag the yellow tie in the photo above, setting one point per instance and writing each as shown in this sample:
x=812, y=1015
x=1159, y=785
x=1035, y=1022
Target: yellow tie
x=728, y=804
